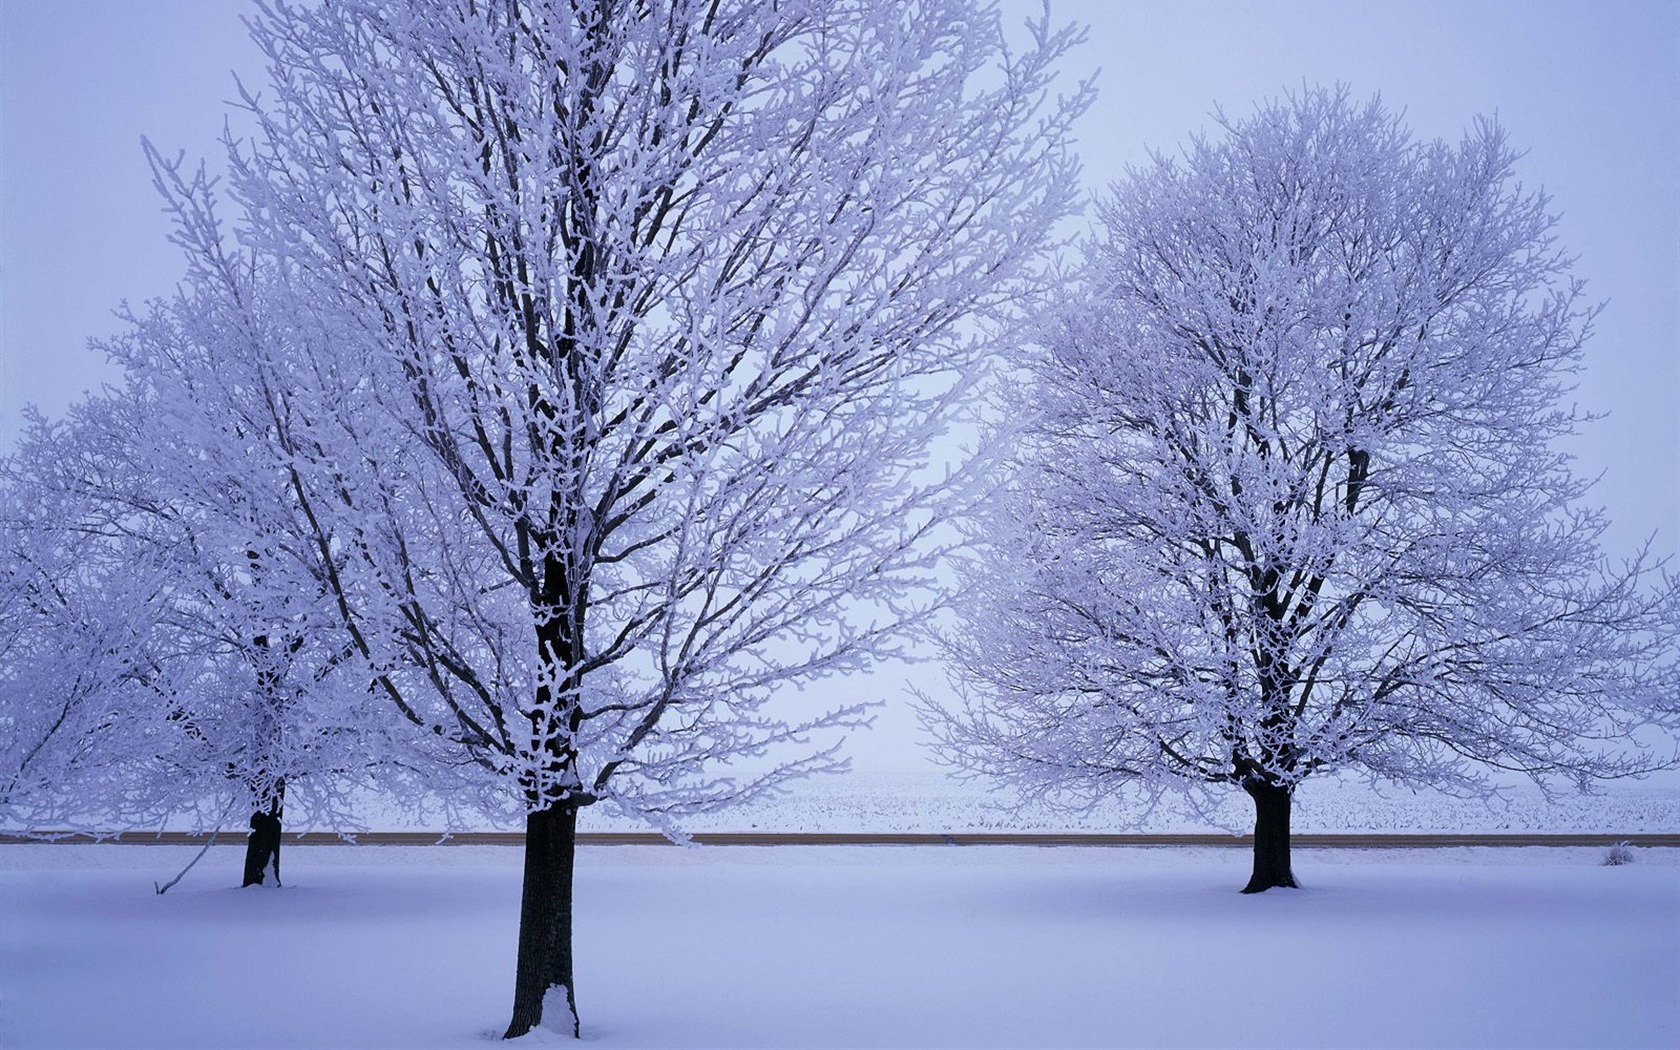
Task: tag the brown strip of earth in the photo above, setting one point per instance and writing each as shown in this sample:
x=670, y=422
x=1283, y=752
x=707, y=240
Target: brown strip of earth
x=830, y=838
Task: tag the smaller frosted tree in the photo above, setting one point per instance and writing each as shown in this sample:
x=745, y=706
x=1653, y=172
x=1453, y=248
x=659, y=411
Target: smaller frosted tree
x=160, y=654
x=1290, y=502
x=165, y=651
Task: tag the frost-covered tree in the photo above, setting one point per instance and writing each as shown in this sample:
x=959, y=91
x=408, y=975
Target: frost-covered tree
x=1289, y=499
x=168, y=634
x=161, y=656
x=639, y=318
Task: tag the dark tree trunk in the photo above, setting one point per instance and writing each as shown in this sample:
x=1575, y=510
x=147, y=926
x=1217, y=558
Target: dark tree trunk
x=262, y=849
x=1271, y=836
x=543, y=980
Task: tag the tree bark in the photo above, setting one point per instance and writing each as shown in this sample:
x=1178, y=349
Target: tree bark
x=263, y=846
x=1271, y=836
x=543, y=985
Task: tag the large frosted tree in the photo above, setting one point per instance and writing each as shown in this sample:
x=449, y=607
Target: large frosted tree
x=1290, y=498
x=635, y=322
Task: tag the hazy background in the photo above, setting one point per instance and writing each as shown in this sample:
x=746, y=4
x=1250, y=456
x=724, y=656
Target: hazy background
x=1591, y=90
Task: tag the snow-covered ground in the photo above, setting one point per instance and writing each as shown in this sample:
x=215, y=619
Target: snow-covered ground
x=849, y=946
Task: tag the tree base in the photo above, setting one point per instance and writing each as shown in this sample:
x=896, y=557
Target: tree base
x=1271, y=838
x=262, y=849
x=1257, y=885
x=544, y=994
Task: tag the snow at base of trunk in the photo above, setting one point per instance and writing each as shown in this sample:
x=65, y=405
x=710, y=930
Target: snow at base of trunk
x=557, y=1013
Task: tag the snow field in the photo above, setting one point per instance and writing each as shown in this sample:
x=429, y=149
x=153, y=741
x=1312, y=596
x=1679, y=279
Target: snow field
x=848, y=946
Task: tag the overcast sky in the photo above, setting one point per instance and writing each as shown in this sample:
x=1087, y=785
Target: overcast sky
x=1590, y=89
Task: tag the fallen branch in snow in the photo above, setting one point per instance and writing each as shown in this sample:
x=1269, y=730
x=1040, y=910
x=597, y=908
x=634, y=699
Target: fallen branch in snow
x=211, y=841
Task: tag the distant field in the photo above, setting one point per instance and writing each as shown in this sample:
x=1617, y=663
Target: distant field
x=929, y=803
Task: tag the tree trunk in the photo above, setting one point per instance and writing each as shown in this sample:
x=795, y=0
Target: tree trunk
x=263, y=846
x=1271, y=837
x=542, y=989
